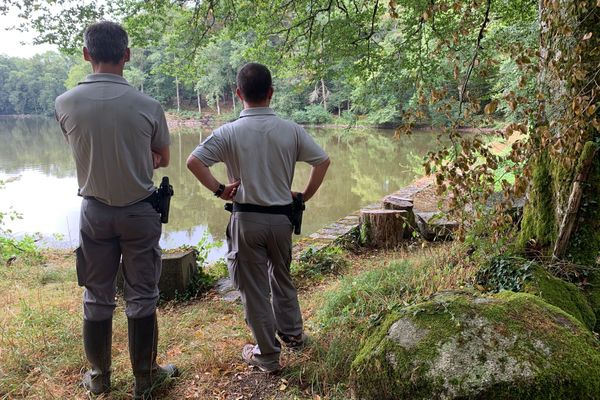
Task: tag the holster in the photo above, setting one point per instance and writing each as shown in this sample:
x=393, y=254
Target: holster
x=162, y=199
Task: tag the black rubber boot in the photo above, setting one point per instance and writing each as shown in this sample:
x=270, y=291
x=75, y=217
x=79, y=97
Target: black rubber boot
x=143, y=341
x=97, y=340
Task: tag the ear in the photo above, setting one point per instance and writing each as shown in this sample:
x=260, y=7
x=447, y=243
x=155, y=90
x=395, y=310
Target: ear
x=270, y=93
x=127, y=56
x=238, y=93
x=86, y=54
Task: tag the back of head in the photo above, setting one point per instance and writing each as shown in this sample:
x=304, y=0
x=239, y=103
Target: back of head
x=254, y=81
x=106, y=42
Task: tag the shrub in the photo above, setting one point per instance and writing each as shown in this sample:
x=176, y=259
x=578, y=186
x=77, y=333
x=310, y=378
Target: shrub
x=312, y=115
x=316, y=263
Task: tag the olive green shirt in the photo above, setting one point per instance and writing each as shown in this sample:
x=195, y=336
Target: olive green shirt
x=111, y=128
x=261, y=150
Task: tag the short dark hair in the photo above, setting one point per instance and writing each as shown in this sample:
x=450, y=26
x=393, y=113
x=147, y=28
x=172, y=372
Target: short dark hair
x=254, y=81
x=106, y=42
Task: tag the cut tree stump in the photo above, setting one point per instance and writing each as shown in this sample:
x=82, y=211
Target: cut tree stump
x=178, y=269
x=434, y=226
x=393, y=202
x=382, y=228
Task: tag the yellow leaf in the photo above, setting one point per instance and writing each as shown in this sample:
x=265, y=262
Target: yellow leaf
x=598, y=3
x=490, y=108
x=282, y=387
x=588, y=35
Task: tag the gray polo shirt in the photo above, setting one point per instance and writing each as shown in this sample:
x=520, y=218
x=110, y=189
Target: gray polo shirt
x=111, y=128
x=261, y=150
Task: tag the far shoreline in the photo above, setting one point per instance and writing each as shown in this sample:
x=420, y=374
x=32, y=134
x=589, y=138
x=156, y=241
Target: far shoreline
x=210, y=122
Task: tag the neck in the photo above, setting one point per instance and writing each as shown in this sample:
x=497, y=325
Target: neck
x=108, y=68
x=259, y=104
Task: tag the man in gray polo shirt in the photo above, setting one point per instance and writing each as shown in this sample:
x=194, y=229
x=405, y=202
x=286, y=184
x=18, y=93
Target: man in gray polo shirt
x=118, y=136
x=260, y=151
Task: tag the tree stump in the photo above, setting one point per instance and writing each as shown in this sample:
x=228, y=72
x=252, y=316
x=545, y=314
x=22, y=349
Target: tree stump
x=382, y=228
x=393, y=202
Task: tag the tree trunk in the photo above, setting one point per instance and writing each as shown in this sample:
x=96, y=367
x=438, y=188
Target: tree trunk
x=177, y=90
x=324, y=93
x=568, y=123
x=199, y=102
x=233, y=100
x=218, y=105
x=570, y=217
x=382, y=228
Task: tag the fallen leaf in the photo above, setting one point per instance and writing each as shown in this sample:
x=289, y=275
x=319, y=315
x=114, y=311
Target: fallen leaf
x=588, y=35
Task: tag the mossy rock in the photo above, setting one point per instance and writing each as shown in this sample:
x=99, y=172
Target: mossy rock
x=563, y=295
x=593, y=294
x=460, y=346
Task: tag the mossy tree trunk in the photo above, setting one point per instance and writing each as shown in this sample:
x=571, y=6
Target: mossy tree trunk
x=568, y=126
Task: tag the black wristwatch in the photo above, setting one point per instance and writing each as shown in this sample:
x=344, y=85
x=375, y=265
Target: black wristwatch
x=220, y=190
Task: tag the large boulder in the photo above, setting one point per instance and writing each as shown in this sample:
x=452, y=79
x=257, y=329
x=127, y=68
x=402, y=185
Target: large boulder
x=460, y=346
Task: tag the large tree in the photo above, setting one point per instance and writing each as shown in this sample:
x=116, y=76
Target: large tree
x=566, y=163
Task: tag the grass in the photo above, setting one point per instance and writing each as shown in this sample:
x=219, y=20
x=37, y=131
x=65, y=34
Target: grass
x=41, y=355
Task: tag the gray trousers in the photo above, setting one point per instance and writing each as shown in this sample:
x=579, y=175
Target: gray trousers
x=108, y=234
x=260, y=253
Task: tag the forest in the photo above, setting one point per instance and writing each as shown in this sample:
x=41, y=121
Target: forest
x=313, y=88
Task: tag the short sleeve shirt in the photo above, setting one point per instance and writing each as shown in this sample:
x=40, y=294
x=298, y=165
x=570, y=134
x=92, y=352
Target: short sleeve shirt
x=112, y=129
x=261, y=150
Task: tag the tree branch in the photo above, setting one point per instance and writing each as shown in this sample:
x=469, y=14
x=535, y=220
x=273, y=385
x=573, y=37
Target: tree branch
x=463, y=89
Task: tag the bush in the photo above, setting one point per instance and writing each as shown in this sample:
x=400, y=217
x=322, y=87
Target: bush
x=316, y=263
x=203, y=280
x=505, y=273
x=312, y=115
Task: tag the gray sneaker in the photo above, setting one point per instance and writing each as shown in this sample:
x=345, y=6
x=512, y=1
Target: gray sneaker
x=270, y=367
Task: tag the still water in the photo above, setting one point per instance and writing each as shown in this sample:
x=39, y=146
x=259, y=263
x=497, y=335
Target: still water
x=39, y=174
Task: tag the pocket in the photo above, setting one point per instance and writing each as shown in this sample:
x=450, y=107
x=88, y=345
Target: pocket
x=80, y=266
x=232, y=268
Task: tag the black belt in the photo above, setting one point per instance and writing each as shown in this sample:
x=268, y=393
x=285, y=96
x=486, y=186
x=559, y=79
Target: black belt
x=150, y=199
x=285, y=209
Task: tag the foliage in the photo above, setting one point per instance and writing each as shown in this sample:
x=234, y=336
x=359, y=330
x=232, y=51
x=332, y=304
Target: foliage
x=312, y=115
x=505, y=273
x=29, y=86
x=11, y=247
x=316, y=263
x=202, y=281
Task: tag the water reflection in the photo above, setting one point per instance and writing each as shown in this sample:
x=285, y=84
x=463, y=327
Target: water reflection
x=366, y=165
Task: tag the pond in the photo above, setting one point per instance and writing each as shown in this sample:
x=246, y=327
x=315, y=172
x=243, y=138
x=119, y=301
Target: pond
x=39, y=174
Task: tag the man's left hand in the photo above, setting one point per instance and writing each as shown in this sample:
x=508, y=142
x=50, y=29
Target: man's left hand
x=230, y=190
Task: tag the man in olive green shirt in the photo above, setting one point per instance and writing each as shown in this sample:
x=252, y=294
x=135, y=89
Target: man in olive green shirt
x=118, y=136
x=260, y=151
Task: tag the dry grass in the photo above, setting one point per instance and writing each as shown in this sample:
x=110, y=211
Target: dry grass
x=41, y=355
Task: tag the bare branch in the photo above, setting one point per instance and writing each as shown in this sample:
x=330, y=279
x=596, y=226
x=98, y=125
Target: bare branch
x=463, y=89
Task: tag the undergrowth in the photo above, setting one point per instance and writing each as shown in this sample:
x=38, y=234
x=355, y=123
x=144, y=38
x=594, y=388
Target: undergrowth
x=349, y=311
x=316, y=264
x=206, y=276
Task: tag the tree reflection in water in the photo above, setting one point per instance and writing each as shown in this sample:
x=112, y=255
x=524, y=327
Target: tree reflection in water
x=366, y=165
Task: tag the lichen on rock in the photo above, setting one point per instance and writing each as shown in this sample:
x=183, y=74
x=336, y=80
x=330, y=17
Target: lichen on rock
x=462, y=346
